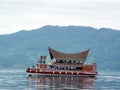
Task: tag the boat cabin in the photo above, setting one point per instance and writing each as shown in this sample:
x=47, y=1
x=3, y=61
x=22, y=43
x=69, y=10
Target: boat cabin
x=67, y=61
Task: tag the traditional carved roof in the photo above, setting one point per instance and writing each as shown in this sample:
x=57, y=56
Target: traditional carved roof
x=63, y=56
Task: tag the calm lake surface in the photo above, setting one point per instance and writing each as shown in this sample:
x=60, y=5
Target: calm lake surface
x=18, y=80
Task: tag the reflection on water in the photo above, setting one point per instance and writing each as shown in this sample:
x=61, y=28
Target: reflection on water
x=16, y=80
x=62, y=83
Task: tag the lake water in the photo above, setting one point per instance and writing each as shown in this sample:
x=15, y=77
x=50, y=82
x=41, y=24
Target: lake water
x=18, y=80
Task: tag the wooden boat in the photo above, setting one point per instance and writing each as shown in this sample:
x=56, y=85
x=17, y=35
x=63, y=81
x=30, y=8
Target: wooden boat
x=62, y=64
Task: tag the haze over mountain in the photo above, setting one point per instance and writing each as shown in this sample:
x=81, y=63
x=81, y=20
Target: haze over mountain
x=22, y=49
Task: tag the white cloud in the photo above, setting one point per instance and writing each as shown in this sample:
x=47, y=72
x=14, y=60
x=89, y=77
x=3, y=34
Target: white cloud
x=29, y=14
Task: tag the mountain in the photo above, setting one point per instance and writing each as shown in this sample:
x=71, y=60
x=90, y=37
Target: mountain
x=23, y=48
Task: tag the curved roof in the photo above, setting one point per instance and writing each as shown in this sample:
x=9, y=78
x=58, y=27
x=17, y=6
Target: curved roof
x=63, y=56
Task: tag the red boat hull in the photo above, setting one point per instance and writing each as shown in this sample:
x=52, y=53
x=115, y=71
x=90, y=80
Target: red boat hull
x=48, y=72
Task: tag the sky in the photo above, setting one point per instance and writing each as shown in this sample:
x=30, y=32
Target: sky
x=16, y=15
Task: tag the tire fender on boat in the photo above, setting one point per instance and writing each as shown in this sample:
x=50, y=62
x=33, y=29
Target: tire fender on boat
x=36, y=70
x=71, y=72
x=30, y=69
x=53, y=72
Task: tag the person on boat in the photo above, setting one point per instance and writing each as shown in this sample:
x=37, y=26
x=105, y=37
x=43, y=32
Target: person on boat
x=33, y=66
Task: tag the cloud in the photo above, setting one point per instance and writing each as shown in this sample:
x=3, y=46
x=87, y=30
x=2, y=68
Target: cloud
x=28, y=14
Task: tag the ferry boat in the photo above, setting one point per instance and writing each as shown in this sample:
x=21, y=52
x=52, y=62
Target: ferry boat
x=63, y=64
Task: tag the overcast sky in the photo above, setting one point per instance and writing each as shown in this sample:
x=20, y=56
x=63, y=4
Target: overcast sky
x=16, y=15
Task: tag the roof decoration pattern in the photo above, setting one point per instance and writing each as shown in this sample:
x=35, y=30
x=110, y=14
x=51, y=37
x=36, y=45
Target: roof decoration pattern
x=63, y=56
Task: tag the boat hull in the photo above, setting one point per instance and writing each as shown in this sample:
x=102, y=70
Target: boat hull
x=38, y=72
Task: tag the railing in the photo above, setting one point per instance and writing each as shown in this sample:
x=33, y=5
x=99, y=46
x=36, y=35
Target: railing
x=64, y=64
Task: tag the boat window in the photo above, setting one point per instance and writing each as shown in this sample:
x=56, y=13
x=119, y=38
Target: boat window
x=81, y=61
x=77, y=62
x=54, y=60
x=61, y=61
x=67, y=61
x=72, y=61
x=64, y=61
x=57, y=61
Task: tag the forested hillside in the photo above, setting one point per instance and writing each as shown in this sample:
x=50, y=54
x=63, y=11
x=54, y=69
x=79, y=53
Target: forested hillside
x=22, y=49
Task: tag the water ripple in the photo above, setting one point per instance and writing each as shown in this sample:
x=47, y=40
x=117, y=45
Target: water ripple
x=17, y=80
